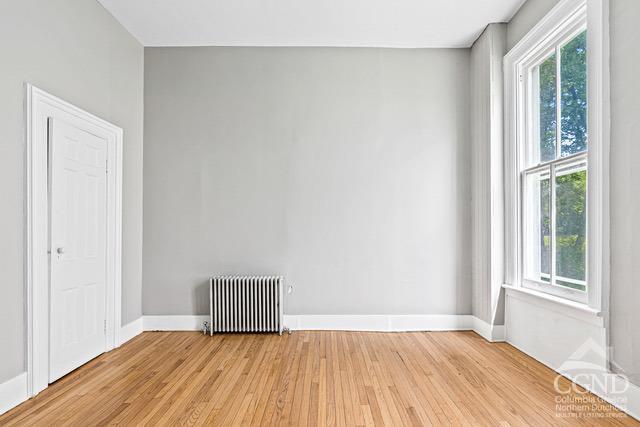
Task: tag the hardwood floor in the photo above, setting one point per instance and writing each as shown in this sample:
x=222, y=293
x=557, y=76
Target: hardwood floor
x=308, y=378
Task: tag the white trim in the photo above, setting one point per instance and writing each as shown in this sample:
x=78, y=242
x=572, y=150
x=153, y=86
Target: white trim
x=632, y=392
x=491, y=333
x=548, y=29
x=379, y=322
x=131, y=330
x=13, y=392
x=598, y=125
x=544, y=29
x=364, y=322
x=174, y=322
x=558, y=304
x=39, y=107
x=314, y=322
x=632, y=396
x=317, y=322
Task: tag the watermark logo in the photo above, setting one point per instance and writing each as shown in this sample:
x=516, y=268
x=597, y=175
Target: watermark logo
x=587, y=368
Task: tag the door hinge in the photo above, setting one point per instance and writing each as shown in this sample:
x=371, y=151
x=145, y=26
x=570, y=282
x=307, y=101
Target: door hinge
x=105, y=326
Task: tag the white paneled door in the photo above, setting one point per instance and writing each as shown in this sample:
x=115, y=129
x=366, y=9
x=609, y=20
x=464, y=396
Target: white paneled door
x=78, y=203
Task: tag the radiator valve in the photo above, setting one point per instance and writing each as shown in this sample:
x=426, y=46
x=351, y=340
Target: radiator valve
x=205, y=327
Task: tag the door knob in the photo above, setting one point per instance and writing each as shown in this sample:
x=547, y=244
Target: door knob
x=60, y=251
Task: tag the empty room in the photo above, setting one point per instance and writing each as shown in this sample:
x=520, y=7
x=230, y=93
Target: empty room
x=319, y=212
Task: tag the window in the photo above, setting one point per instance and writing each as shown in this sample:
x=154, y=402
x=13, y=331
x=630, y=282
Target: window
x=556, y=156
x=554, y=172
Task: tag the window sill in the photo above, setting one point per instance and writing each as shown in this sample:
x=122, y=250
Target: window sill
x=560, y=305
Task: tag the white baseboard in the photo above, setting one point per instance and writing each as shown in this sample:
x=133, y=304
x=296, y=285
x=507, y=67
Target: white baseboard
x=572, y=345
x=174, y=323
x=491, y=333
x=632, y=394
x=371, y=322
x=380, y=322
x=13, y=392
x=130, y=330
x=631, y=406
x=318, y=322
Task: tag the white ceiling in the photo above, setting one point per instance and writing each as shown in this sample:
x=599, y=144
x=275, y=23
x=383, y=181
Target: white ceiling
x=367, y=23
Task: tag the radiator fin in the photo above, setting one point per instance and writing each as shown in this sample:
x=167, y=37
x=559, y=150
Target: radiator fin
x=245, y=304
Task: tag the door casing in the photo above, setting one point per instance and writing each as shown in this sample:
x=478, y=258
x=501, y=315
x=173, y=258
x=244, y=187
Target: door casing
x=40, y=106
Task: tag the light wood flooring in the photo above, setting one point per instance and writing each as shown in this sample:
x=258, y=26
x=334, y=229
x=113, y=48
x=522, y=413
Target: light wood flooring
x=307, y=378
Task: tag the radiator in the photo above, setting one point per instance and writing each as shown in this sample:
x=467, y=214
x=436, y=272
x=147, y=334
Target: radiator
x=245, y=304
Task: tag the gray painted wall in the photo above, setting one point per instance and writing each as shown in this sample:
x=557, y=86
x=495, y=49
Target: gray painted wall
x=487, y=256
x=346, y=170
x=624, y=16
x=529, y=14
x=76, y=50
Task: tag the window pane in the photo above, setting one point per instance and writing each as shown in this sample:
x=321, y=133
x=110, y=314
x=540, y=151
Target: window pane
x=573, y=84
x=571, y=226
x=545, y=228
x=546, y=80
x=537, y=226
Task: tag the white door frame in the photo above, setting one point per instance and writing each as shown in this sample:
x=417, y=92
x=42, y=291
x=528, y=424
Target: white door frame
x=39, y=107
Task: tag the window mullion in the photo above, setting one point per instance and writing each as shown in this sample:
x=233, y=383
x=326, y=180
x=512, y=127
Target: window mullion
x=558, y=103
x=552, y=167
x=552, y=228
x=566, y=159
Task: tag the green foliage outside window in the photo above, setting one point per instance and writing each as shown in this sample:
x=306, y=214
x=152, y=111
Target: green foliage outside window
x=573, y=87
x=571, y=188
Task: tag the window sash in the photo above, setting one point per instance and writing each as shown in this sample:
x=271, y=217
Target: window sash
x=531, y=123
x=528, y=231
x=531, y=137
x=565, y=15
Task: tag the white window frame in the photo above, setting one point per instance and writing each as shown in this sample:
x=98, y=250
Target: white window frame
x=563, y=22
